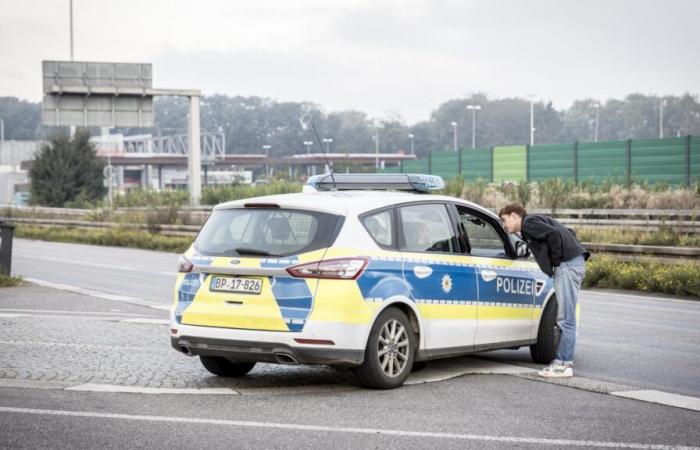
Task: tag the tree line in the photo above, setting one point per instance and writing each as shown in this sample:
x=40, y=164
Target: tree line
x=251, y=122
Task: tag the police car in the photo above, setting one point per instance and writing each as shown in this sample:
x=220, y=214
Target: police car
x=362, y=272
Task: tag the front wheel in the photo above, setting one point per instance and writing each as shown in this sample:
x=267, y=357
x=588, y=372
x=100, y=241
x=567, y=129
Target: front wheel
x=389, y=353
x=225, y=367
x=543, y=352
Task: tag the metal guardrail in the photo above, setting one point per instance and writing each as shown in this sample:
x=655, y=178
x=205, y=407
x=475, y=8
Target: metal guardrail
x=192, y=230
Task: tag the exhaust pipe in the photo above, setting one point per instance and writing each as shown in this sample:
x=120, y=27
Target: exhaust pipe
x=186, y=350
x=285, y=358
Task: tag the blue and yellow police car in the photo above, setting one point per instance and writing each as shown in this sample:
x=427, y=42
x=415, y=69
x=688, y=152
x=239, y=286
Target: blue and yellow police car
x=358, y=271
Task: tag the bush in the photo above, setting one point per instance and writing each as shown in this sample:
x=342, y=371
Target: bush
x=645, y=274
x=7, y=281
x=117, y=237
x=213, y=195
x=665, y=235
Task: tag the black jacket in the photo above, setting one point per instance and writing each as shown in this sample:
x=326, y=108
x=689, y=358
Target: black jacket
x=550, y=241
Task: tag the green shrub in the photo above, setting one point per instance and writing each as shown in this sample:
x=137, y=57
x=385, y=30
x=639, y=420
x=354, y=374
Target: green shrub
x=554, y=191
x=7, y=281
x=141, y=197
x=117, y=237
x=214, y=195
x=644, y=274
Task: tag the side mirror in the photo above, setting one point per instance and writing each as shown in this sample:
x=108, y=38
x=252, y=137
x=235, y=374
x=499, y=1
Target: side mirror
x=522, y=250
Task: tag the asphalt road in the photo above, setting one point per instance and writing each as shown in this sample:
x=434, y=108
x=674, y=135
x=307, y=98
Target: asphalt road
x=57, y=341
x=651, y=342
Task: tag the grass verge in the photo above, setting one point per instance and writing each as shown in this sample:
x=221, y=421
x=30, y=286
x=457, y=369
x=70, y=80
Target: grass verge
x=116, y=237
x=7, y=281
x=645, y=275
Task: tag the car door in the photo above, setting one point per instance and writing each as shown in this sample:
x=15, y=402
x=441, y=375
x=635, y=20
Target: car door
x=442, y=286
x=506, y=286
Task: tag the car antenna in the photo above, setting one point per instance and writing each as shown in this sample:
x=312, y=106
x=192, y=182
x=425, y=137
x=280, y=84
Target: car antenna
x=330, y=168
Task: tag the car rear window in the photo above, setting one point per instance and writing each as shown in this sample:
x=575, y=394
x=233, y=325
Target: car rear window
x=261, y=231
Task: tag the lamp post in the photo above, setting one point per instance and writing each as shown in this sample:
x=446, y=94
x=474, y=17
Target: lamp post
x=662, y=103
x=410, y=136
x=267, y=148
x=474, y=109
x=328, y=142
x=308, y=145
x=376, y=145
x=597, y=117
x=532, y=118
x=454, y=135
x=2, y=135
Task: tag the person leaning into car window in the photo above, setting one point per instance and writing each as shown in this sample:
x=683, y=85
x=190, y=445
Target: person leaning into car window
x=559, y=255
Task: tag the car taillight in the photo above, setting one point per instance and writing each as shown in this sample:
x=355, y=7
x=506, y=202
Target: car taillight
x=337, y=269
x=184, y=265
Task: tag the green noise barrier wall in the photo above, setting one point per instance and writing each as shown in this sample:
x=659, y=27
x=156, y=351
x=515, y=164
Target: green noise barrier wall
x=674, y=161
x=509, y=163
x=694, y=169
x=598, y=161
x=444, y=164
x=659, y=160
x=477, y=164
x=551, y=161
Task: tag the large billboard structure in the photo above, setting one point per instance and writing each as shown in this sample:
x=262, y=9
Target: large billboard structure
x=107, y=94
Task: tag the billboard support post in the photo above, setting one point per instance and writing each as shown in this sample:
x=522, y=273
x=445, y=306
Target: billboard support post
x=194, y=162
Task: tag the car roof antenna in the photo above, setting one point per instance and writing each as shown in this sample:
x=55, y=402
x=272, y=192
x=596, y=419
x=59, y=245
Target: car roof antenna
x=330, y=168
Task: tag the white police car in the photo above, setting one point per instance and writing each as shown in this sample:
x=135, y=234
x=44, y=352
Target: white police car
x=352, y=277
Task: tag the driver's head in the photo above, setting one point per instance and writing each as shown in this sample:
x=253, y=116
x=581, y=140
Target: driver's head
x=512, y=217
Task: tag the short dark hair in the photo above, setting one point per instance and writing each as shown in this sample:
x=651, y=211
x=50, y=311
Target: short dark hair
x=516, y=208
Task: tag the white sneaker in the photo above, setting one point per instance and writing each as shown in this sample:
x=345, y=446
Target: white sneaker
x=556, y=370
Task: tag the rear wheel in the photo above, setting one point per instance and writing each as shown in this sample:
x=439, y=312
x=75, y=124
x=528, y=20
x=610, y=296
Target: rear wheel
x=225, y=367
x=543, y=352
x=389, y=353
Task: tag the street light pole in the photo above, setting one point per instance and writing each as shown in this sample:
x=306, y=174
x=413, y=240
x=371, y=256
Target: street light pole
x=474, y=109
x=2, y=135
x=662, y=102
x=597, y=117
x=267, y=148
x=410, y=136
x=376, y=146
x=71, y=29
x=532, y=118
x=308, y=145
x=454, y=135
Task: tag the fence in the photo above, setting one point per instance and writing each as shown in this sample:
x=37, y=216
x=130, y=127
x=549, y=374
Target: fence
x=675, y=161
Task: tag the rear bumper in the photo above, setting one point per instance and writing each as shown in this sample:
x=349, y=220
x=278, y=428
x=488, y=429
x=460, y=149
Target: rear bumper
x=273, y=352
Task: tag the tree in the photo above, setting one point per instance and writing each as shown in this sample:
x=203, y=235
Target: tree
x=66, y=170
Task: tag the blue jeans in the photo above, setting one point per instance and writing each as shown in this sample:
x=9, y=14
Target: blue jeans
x=567, y=283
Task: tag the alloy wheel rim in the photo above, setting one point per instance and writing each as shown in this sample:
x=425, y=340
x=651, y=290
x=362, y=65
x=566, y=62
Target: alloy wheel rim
x=393, y=348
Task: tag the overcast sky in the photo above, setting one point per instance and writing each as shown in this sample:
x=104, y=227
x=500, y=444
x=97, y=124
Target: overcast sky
x=378, y=56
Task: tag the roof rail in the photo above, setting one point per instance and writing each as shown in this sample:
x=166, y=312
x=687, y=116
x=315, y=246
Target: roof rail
x=374, y=181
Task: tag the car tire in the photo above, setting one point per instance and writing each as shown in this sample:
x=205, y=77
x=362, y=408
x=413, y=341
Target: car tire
x=225, y=367
x=390, y=352
x=544, y=350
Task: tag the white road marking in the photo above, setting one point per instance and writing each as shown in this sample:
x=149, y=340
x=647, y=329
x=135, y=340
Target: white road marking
x=11, y=316
x=636, y=297
x=100, y=294
x=94, y=387
x=343, y=430
x=662, y=398
x=95, y=264
x=150, y=321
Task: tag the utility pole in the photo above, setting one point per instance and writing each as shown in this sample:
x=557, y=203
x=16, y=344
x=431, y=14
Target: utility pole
x=267, y=148
x=410, y=136
x=532, y=118
x=376, y=146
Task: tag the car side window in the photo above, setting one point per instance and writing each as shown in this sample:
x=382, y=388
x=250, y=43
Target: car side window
x=427, y=228
x=380, y=226
x=482, y=237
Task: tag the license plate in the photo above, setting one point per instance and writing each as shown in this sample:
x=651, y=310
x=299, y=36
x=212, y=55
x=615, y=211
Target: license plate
x=236, y=284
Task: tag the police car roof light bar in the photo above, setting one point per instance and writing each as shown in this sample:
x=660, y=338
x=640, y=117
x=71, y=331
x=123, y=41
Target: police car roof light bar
x=375, y=181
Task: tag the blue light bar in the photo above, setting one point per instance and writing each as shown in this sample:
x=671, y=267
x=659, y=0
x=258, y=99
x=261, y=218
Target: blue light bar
x=374, y=182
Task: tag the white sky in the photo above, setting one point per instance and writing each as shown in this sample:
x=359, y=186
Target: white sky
x=378, y=56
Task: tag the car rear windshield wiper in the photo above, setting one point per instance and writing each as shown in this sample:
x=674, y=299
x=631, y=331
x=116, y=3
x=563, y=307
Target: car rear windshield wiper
x=254, y=251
